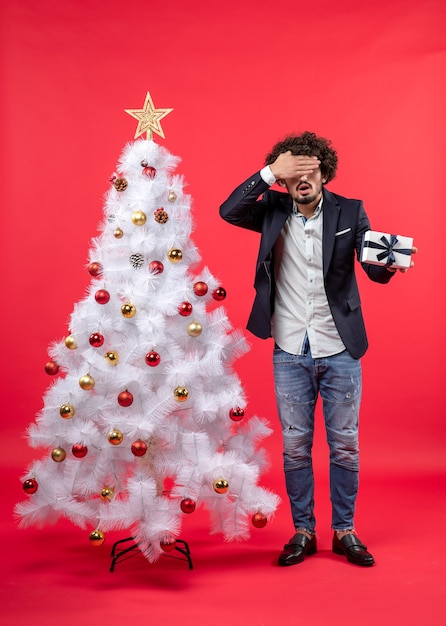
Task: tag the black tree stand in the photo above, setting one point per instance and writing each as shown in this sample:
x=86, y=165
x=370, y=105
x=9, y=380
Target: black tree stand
x=123, y=553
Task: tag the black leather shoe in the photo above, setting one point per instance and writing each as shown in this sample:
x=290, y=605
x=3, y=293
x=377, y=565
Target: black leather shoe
x=297, y=549
x=355, y=551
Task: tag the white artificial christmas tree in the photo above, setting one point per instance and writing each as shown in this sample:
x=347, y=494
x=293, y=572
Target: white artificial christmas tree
x=145, y=419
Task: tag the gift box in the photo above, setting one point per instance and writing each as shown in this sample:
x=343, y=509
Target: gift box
x=386, y=249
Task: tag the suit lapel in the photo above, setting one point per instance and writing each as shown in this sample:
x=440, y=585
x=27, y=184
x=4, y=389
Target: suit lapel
x=278, y=218
x=331, y=215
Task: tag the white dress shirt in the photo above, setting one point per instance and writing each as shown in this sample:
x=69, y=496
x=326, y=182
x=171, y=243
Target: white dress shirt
x=301, y=308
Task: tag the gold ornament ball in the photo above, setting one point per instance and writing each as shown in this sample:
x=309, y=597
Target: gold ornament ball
x=107, y=494
x=118, y=233
x=70, y=342
x=128, y=310
x=97, y=538
x=175, y=255
x=112, y=357
x=67, y=411
x=139, y=218
x=58, y=455
x=194, y=329
x=181, y=394
x=172, y=196
x=115, y=437
x=86, y=382
x=221, y=485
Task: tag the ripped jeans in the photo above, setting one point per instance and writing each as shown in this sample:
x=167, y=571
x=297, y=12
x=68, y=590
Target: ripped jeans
x=298, y=381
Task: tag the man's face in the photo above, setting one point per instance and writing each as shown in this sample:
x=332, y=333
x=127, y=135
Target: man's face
x=306, y=189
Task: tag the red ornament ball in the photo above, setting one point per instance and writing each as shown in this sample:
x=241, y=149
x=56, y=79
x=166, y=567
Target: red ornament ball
x=96, y=340
x=259, y=520
x=188, y=505
x=219, y=293
x=102, y=296
x=185, y=309
x=30, y=485
x=139, y=448
x=79, y=450
x=236, y=414
x=156, y=267
x=95, y=269
x=153, y=358
x=200, y=288
x=149, y=171
x=125, y=398
x=168, y=544
x=52, y=368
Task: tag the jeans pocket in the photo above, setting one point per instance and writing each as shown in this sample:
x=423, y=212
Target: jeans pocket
x=280, y=356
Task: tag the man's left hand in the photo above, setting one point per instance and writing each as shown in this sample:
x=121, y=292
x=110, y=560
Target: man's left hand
x=404, y=269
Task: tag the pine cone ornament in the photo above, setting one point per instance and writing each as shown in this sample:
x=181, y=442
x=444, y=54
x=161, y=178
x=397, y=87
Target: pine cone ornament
x=137, y=260
x=161, y=216
x=120, y=184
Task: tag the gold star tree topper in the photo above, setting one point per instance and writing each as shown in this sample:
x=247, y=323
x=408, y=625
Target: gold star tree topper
x=148, y=118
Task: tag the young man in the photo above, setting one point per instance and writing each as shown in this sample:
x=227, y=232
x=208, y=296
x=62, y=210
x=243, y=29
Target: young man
x=307, y=299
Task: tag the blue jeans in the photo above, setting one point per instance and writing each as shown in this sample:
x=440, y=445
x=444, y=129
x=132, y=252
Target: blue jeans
x=298, y=381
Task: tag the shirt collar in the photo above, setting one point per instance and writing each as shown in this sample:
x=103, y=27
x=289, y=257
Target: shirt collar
x=317, y=210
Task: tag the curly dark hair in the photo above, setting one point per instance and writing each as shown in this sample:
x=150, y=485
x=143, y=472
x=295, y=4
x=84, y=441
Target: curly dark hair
x=308, y=144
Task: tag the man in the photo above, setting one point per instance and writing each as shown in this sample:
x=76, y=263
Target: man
x=307, y=299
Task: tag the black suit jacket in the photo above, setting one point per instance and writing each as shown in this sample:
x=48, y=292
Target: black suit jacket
x=345, y=222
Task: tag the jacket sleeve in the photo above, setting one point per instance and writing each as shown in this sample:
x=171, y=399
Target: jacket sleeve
x=377, y=273
x=243, y=207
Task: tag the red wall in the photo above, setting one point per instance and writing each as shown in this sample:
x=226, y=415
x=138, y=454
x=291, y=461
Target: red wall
x=239, y=75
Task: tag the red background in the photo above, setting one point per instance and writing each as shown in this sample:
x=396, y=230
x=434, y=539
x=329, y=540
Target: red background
x=239, y=75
